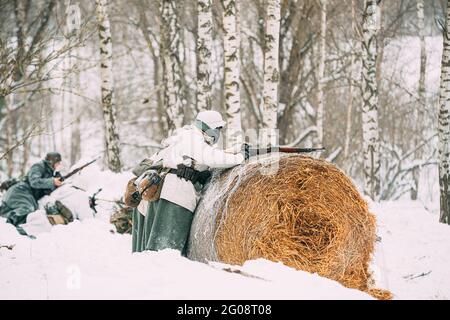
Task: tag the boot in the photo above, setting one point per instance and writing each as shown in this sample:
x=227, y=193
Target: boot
x=64, y=211
x=58, y=213
x=56, y=219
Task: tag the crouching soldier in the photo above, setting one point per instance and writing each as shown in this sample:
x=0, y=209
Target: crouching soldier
x=22, y=198
x=186, y=159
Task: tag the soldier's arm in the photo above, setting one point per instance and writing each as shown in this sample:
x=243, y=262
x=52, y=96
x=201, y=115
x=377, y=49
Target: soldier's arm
x=215, y=158
x=35, y=178
x=143, y=166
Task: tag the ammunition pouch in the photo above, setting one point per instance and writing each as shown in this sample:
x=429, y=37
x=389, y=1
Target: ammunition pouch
x=5, y=185
x=151, y=185
x=145, y=187
x=132, y=196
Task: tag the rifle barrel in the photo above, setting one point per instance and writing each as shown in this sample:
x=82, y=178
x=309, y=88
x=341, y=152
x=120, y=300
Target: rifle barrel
x=256, y=151
x=299, y=150
x=71, y=173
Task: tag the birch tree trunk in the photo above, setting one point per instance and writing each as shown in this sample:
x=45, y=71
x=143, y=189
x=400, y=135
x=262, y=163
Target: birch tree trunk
x=348, y=128
x=422, y=101
x=62, y=111
x=75, y=141
x=271, y=72
x=232, y=72
x=423, y=53
x=321, y=71
x=9, y=136
x=26, y=144
x=107, y=87
x=154, y=47
x=170, y=41
x=204, y=42
x=371, y=141
x=381, y=35
x=444, y=124
x=72, y=29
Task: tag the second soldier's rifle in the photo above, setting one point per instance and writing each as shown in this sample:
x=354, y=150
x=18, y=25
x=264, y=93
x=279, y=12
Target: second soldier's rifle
x=74, y=171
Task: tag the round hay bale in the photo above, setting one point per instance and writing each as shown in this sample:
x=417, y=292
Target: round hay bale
x=308, y=215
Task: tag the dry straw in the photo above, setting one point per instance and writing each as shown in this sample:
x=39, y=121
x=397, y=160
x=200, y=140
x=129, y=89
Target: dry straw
x=308, y=215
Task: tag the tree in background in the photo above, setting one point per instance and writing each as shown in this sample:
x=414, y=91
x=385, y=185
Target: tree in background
x=419, y=110
x=321, y=70
x=231, y=43
x=107, y=87
x=271, y=72
x=30, y=51
x=444, y=124
x=204, y=47
x=73, y=24
x=371, y=140
x=353, y=53
x=172, y=73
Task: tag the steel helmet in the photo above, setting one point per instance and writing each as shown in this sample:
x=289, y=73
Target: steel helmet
x=210, y=122
x=53, y=157
x=212, y=119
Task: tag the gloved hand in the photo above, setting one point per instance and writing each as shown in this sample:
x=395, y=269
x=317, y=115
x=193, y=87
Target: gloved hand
x=57, y=182
x=204, y=176
x=234, y=149
x=58, y=178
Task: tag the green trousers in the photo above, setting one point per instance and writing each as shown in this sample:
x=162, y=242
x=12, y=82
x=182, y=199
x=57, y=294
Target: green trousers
x=18, y=203
x=166, y=225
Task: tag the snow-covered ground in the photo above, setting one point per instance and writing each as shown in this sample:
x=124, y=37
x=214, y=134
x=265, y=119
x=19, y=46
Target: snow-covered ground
x=414, y=254
x=88, y=260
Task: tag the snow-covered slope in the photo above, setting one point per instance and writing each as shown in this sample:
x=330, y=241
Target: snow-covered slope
x=84, y=260
x=414, y=253
x=88, y=259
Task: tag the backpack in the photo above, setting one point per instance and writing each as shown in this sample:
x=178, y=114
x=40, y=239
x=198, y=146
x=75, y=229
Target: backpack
x=5, y=185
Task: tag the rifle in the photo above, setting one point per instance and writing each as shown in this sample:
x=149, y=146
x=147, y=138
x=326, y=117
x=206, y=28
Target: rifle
x=74, y=171
x=93, y=199
x=252, y=151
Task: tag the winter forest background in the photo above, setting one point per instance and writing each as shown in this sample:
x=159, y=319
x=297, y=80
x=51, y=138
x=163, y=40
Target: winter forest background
x=51, y=54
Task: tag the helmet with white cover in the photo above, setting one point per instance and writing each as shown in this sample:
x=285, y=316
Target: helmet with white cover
x=210, y=122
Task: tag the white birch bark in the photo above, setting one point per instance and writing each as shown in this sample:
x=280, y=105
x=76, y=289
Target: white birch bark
x=348, y=128
x=171, y=66
x=371, y=141
x=271, y=74
x=444, y=125
x=107, y=87
x=75, y=141
x=423, y=53
x=232, y=72
x=204, y=43
x=321, y=71
x=271, y=68
x=422, y=101
x=72, y=29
